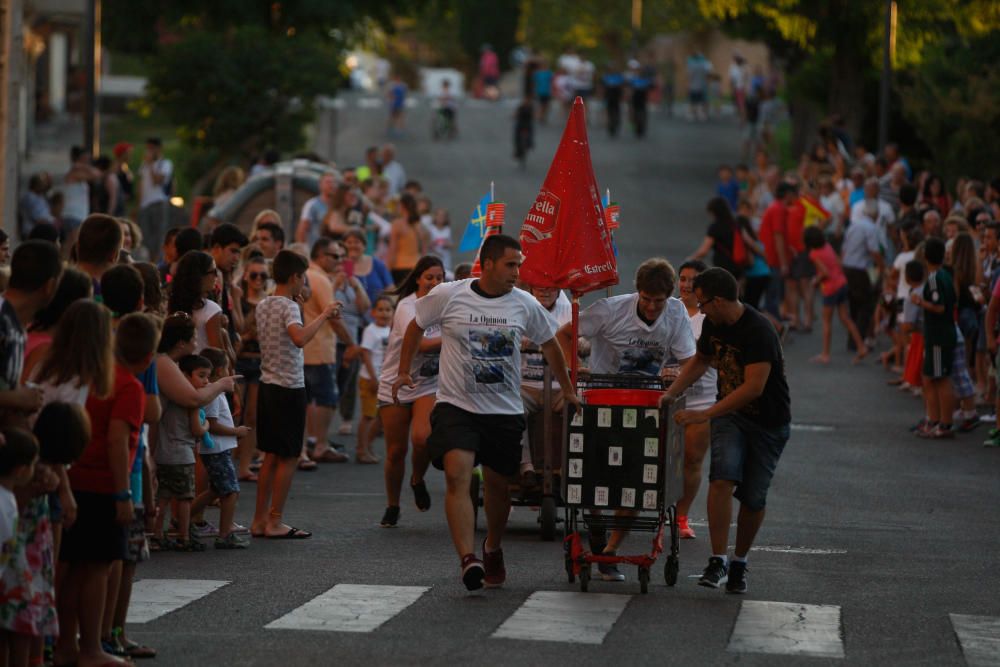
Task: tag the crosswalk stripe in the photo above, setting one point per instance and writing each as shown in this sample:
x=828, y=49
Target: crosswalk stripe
x=350, y=608
x=580, y=618
x=152, y=598
x=979, y=637
x=788, y=628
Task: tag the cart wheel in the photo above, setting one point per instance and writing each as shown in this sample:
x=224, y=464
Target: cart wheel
x=569, y=571
x=547, y=516
x=474, y=494
x=584, y=578
x=644, y=580
x=670, y=570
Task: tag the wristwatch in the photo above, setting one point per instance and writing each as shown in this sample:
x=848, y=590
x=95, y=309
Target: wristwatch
x=122, y=496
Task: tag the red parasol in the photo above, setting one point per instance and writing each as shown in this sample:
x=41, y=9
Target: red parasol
x=565, y=236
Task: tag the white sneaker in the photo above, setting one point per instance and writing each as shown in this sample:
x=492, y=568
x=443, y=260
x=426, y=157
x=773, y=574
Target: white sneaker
x=346, y=428
x=987, y=418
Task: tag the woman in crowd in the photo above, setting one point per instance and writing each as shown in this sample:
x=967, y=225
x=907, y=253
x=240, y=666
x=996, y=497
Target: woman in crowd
x=409, y=419
x=351, y=293
x=729, y=240
x=254, y=285
x=73, y=285
x=193, y=282
x=407, y=240
x=370, y=271
x=228, y=182
x=935, y=195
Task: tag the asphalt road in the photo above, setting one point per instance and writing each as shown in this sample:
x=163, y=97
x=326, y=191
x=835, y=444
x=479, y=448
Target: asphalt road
x=873, y=537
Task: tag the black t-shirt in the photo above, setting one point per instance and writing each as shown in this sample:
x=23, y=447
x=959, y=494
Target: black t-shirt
x=722, y=246
x=752, y=339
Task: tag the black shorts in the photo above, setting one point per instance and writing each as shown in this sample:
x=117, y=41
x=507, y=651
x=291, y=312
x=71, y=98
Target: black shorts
x=802, y=267
x=95, y=536
x=281, y=420
x=496, y=439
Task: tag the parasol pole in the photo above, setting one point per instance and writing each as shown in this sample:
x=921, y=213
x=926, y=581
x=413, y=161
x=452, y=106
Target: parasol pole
x=492, y=197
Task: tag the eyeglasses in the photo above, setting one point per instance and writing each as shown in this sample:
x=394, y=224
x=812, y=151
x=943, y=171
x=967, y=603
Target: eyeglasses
x=335, y=255
x=253, y=275
x=702, y=304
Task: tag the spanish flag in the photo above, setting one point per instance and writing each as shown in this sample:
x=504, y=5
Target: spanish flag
x=815, y=213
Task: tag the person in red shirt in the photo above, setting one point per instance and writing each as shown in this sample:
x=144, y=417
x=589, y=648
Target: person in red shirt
x=798, y=284
x=830, y=277
x=773, y=232
x=100, y=483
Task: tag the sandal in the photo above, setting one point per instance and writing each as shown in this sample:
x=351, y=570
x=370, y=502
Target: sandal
x=137, y=650
x=366, y=457
x=249, y=477
x=331, y=456
x=189, y=546
x=305, y=465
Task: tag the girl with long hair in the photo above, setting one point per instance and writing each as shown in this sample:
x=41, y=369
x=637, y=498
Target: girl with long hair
x=194, y=280
x=73, y=286
x=255, y=290
x=409, y=419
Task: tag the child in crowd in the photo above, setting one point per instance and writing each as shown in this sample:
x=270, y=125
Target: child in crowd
x=181, y=429
x=440, y=236
x=938, y=302
x=830, y=276
x=18, y=456
x=463, y=271
x=100, y=483
x=281, y=399
x=218, y=459
x=886, y=319
x=728, y=187
x=373, y=343
x=912, y=326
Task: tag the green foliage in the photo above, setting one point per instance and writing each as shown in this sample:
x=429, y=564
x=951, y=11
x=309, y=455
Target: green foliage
x=953, y=101
x=242, y=91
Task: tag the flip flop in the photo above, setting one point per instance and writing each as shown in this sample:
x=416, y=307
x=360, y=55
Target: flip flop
x=292, y=534
x=331, y=456
x=249, y=477
x=307, y=466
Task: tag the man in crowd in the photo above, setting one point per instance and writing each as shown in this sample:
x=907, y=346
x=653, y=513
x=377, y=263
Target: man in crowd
x=269, y=238
x=750, y=421
x=97, y=247
x=479, y=416
x=392, y=170
x=310, y=226
x=860, y=251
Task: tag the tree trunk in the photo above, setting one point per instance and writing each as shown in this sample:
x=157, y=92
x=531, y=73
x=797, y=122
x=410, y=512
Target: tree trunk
x=847, y=78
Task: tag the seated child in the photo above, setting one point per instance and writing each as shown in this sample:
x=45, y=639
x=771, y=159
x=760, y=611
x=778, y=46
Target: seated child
x=216, y=455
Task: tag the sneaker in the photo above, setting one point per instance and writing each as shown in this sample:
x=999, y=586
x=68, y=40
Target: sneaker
x=345, y=428
x=736, y=583
x=230, y=541
x=609, y=571
x=391, y=517
x=919, y=426
x=687, y=533
x=969, y=424
x=715, y=574
x=473, y=572
x=493, y=565
x=942, y=433
x=239, y=529
x=925, y=431
x=988, y=418
x=420, y=496
x=204, y=529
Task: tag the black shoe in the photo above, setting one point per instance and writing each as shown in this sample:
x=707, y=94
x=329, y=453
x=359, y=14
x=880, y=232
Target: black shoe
x=715, y=574
x=737, y=581
x=420, y=496
x=473, y=572
x=391, y=517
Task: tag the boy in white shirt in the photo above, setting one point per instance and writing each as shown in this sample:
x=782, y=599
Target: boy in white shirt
x=374, y=341
x=218, y=459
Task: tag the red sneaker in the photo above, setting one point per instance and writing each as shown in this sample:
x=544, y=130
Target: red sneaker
x=472, y=572
x=687, y=533
x=496, y=573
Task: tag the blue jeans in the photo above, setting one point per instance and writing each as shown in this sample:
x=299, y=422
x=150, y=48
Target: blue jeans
x=775, y=293
x=746, y=453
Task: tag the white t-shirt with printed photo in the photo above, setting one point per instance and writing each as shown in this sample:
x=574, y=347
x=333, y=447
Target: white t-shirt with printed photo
x=621, y=343
x=533, y=361
x=423, y=370
x=481, y=344
x=375, y=339
x=281, y=360
x=219, y=410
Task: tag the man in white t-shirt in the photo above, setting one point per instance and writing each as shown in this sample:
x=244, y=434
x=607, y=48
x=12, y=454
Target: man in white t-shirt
x=310, y=226
x=156, y=174
x=479, y=416
x=392, y=170
x=634, y=334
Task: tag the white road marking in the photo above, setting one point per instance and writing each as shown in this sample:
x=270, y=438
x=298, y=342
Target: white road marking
x=553, y=616
x=350, y=608
x=152, y=598
x=815, y=428
x=786, y=549
x=788, y=628
x=979, y=637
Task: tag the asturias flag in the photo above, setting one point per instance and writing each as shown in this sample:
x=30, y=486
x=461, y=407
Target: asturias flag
x=475, y=231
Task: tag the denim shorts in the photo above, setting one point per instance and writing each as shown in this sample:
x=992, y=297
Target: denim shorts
x=837, y=298
x=321, y=385
x=221, y=473
x=746, y=453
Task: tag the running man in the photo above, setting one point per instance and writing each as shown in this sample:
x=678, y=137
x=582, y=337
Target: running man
x=750, y=423
x=479, y=416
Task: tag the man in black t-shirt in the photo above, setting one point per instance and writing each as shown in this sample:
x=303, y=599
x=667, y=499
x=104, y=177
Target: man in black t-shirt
x=750, y=421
